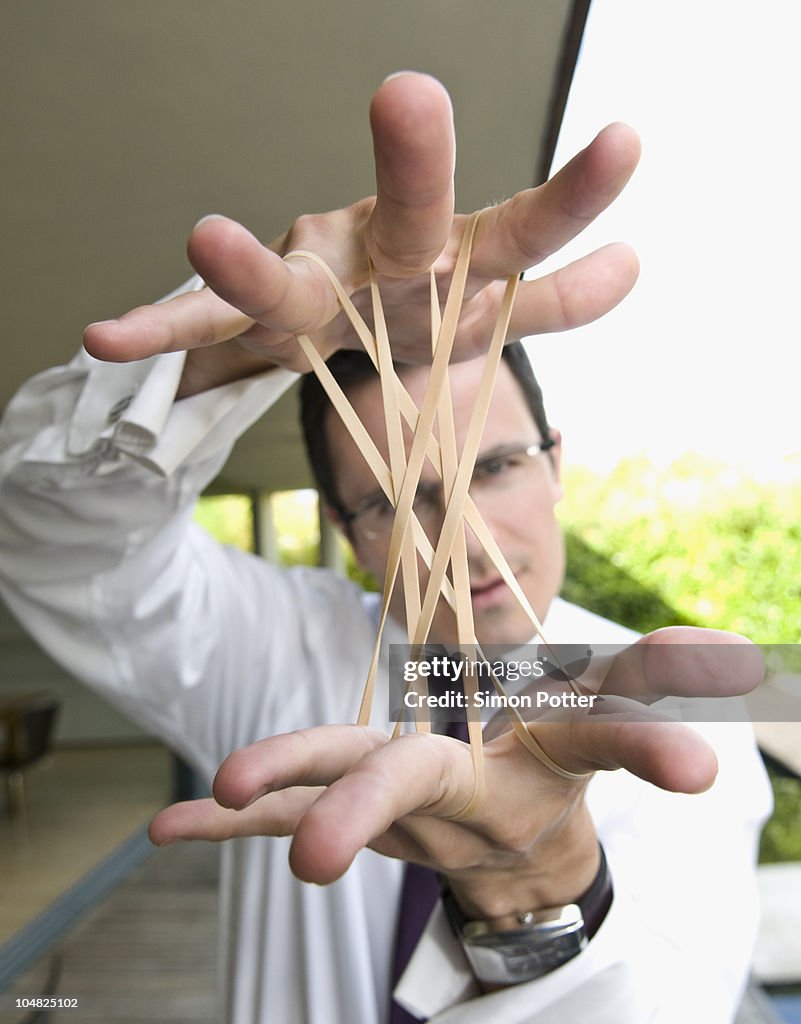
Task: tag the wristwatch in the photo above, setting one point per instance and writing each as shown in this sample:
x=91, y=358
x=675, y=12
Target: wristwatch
x=521, y=947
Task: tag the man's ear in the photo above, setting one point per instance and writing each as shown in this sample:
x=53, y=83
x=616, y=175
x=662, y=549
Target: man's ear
x=333, y=517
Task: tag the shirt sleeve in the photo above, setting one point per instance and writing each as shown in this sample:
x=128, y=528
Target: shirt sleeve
x=100, y=468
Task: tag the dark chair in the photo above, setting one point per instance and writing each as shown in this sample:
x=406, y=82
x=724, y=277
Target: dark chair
x=29, y=723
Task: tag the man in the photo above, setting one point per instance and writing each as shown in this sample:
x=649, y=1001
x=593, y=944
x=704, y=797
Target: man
x=214, y=650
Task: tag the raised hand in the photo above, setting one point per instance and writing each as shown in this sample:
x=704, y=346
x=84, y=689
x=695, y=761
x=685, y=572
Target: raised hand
x=339, y=788
x=256, y=301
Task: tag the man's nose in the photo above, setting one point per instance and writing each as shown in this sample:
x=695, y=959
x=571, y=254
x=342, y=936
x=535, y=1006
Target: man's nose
x=476, y=555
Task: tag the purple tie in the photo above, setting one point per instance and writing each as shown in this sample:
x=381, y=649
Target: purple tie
x=419, y=895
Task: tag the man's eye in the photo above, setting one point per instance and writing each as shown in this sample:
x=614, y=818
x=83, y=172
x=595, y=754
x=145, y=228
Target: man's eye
x=496, y=467
x=383, y=509
x=426, y=502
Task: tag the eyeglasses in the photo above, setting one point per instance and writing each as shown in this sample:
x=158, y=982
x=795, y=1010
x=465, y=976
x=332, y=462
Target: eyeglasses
x=500, y=472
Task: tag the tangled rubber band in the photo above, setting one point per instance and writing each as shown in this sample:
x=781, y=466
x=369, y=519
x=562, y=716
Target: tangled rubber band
x=399, y=481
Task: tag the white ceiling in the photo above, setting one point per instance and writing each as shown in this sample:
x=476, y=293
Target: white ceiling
x=124, y=123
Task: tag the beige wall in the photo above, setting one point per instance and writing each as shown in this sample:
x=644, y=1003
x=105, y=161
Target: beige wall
x=121, y=124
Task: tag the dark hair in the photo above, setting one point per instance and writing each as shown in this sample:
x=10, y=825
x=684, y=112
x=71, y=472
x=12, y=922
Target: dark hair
x=351, y=368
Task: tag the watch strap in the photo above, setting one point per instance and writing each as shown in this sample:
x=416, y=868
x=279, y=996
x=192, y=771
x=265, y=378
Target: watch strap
x=597, y=900
x=525, y=946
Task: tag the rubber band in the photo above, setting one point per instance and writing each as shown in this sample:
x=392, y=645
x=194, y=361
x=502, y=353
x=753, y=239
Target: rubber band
x=410, y=413
x=399, y=481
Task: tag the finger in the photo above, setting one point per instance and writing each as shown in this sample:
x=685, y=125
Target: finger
x=287, y=296
x=194, y=320
x=576, y=294
x=534, y=224
x=417, y=773
x=684, y=661
x=414, y=145
x=274, y=815
x=679, y=661
x=307, y=757
x=666, y=754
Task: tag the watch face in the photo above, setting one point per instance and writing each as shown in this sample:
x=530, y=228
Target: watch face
x=511, y=962
x=547, y=939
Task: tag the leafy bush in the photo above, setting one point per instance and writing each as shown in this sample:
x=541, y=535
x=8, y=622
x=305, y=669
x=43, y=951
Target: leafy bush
x=228, y=518
x=696, y=543
x=781, y=837
x=593, y=581
x=693, y=544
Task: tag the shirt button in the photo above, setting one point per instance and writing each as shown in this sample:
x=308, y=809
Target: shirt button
x=119, y=408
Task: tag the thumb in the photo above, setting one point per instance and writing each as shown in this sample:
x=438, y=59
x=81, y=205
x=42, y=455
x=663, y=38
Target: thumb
x=670, y=755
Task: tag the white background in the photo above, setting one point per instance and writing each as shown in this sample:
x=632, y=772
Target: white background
x=704, y=355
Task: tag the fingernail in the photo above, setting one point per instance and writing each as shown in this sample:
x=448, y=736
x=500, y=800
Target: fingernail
x=397, y=74
x=209, y=216
x=252, y=800
x=100, y=323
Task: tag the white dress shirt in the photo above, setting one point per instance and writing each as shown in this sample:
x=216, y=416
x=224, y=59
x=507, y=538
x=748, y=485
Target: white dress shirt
x=211, y=648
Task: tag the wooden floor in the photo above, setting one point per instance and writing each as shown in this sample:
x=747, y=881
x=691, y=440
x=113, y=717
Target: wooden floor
x=80, y=805
x=147, y=953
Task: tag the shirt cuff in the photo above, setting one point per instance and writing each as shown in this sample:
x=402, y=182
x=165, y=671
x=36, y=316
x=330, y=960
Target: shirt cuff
x=131, y=408
x=163, y=434
x=439, y=985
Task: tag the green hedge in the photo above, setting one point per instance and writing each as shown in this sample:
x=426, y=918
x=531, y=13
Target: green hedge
x=695, y=543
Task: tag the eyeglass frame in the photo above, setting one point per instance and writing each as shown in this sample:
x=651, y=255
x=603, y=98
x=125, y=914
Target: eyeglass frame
x=349, y=516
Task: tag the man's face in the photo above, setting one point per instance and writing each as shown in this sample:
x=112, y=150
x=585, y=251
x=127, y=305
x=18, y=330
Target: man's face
x=520, y=515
